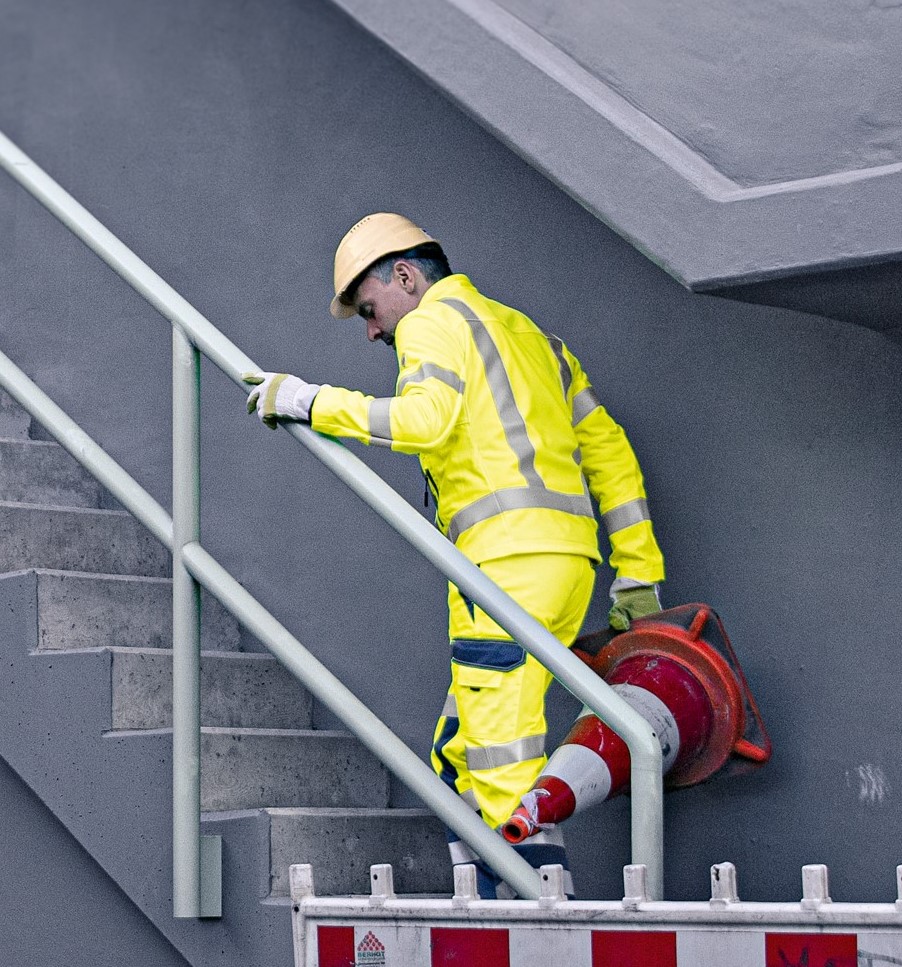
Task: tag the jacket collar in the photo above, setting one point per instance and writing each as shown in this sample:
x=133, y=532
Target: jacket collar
x=451, y=285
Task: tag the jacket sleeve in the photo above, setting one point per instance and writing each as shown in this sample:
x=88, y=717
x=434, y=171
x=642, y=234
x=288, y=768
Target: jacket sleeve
x=615, y=481
x=428, y=395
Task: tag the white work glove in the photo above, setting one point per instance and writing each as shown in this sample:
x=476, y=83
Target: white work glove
x=279, y=396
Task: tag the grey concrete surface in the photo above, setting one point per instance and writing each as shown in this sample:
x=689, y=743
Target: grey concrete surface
x=59, y=906
x=38, y=472
x=106, y=805
x=14, y=421
x=767, y=92
x=76, y=538
x=869, y=296
x=256, y=768
x=341, y=845
x=120, y=610
x=233, y=147
x=101, y=784
x=236, y=690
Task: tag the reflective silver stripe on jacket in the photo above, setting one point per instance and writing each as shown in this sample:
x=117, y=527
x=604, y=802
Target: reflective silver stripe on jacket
x=518, y=498
x=432, y=371
x=380, y=422
x=505, y=754
x=449, y=709
x=626, y=515
x=535, y=495
x=557, y=347
x=584, y=403
x=502, y=393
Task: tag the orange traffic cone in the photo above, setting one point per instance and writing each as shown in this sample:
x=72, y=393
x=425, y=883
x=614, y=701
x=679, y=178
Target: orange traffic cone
x=678, y=670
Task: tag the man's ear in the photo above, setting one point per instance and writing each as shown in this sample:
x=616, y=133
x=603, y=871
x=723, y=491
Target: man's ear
x=404, y=273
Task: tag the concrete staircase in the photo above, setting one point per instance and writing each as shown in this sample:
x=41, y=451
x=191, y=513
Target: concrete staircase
x=85, y=720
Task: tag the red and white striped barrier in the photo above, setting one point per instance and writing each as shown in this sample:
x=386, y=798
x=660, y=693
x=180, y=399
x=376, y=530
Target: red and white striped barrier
x=383, y=930
x=412, y=946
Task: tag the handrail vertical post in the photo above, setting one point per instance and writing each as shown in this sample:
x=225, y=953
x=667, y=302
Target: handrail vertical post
x=191, y=896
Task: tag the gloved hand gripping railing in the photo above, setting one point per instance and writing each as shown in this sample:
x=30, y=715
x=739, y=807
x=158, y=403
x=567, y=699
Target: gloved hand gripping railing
x=192, y=332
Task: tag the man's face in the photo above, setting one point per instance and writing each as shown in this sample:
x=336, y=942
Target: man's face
x=383, y=305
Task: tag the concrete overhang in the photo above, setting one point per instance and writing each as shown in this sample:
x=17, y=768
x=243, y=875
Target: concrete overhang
x=747, y=152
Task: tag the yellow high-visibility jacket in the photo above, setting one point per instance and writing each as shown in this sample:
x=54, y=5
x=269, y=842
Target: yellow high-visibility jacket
x=509, y=433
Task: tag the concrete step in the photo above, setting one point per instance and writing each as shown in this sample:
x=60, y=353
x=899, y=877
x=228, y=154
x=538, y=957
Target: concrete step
x=80, y=610
x=257, y=768
x=78, y=539
x=237, y=690
x=342, y=844
x=38, y=472
x=14, y=421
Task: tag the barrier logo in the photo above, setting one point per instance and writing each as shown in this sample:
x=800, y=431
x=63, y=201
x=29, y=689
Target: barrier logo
x=370, y=951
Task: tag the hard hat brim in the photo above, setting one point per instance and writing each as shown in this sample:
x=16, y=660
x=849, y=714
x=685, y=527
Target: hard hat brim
x=341, y=310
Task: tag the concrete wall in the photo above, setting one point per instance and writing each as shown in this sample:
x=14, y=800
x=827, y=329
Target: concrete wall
x=58, y=906
x=231, y=145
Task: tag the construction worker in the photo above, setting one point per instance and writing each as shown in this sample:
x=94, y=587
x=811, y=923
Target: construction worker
x=512, y=440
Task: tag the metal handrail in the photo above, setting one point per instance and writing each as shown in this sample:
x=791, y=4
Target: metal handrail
x=253, y=616
x=645, y=751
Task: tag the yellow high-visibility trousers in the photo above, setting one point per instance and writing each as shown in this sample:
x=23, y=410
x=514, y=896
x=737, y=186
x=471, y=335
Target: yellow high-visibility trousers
x=489, y=743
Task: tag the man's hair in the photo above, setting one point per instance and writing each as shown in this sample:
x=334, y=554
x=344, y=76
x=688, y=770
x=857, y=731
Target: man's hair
x=428, y=258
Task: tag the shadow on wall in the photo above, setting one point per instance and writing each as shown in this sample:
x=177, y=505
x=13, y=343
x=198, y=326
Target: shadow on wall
x=869, y=295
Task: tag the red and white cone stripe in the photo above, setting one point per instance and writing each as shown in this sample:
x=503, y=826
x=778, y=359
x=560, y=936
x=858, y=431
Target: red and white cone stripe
x=591, y=765
x=579, y=763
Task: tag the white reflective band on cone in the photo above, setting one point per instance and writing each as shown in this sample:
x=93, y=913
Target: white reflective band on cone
x=583, y=770
x=658, y=715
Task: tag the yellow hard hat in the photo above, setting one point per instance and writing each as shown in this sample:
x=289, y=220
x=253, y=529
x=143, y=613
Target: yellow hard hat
x=368, y=241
